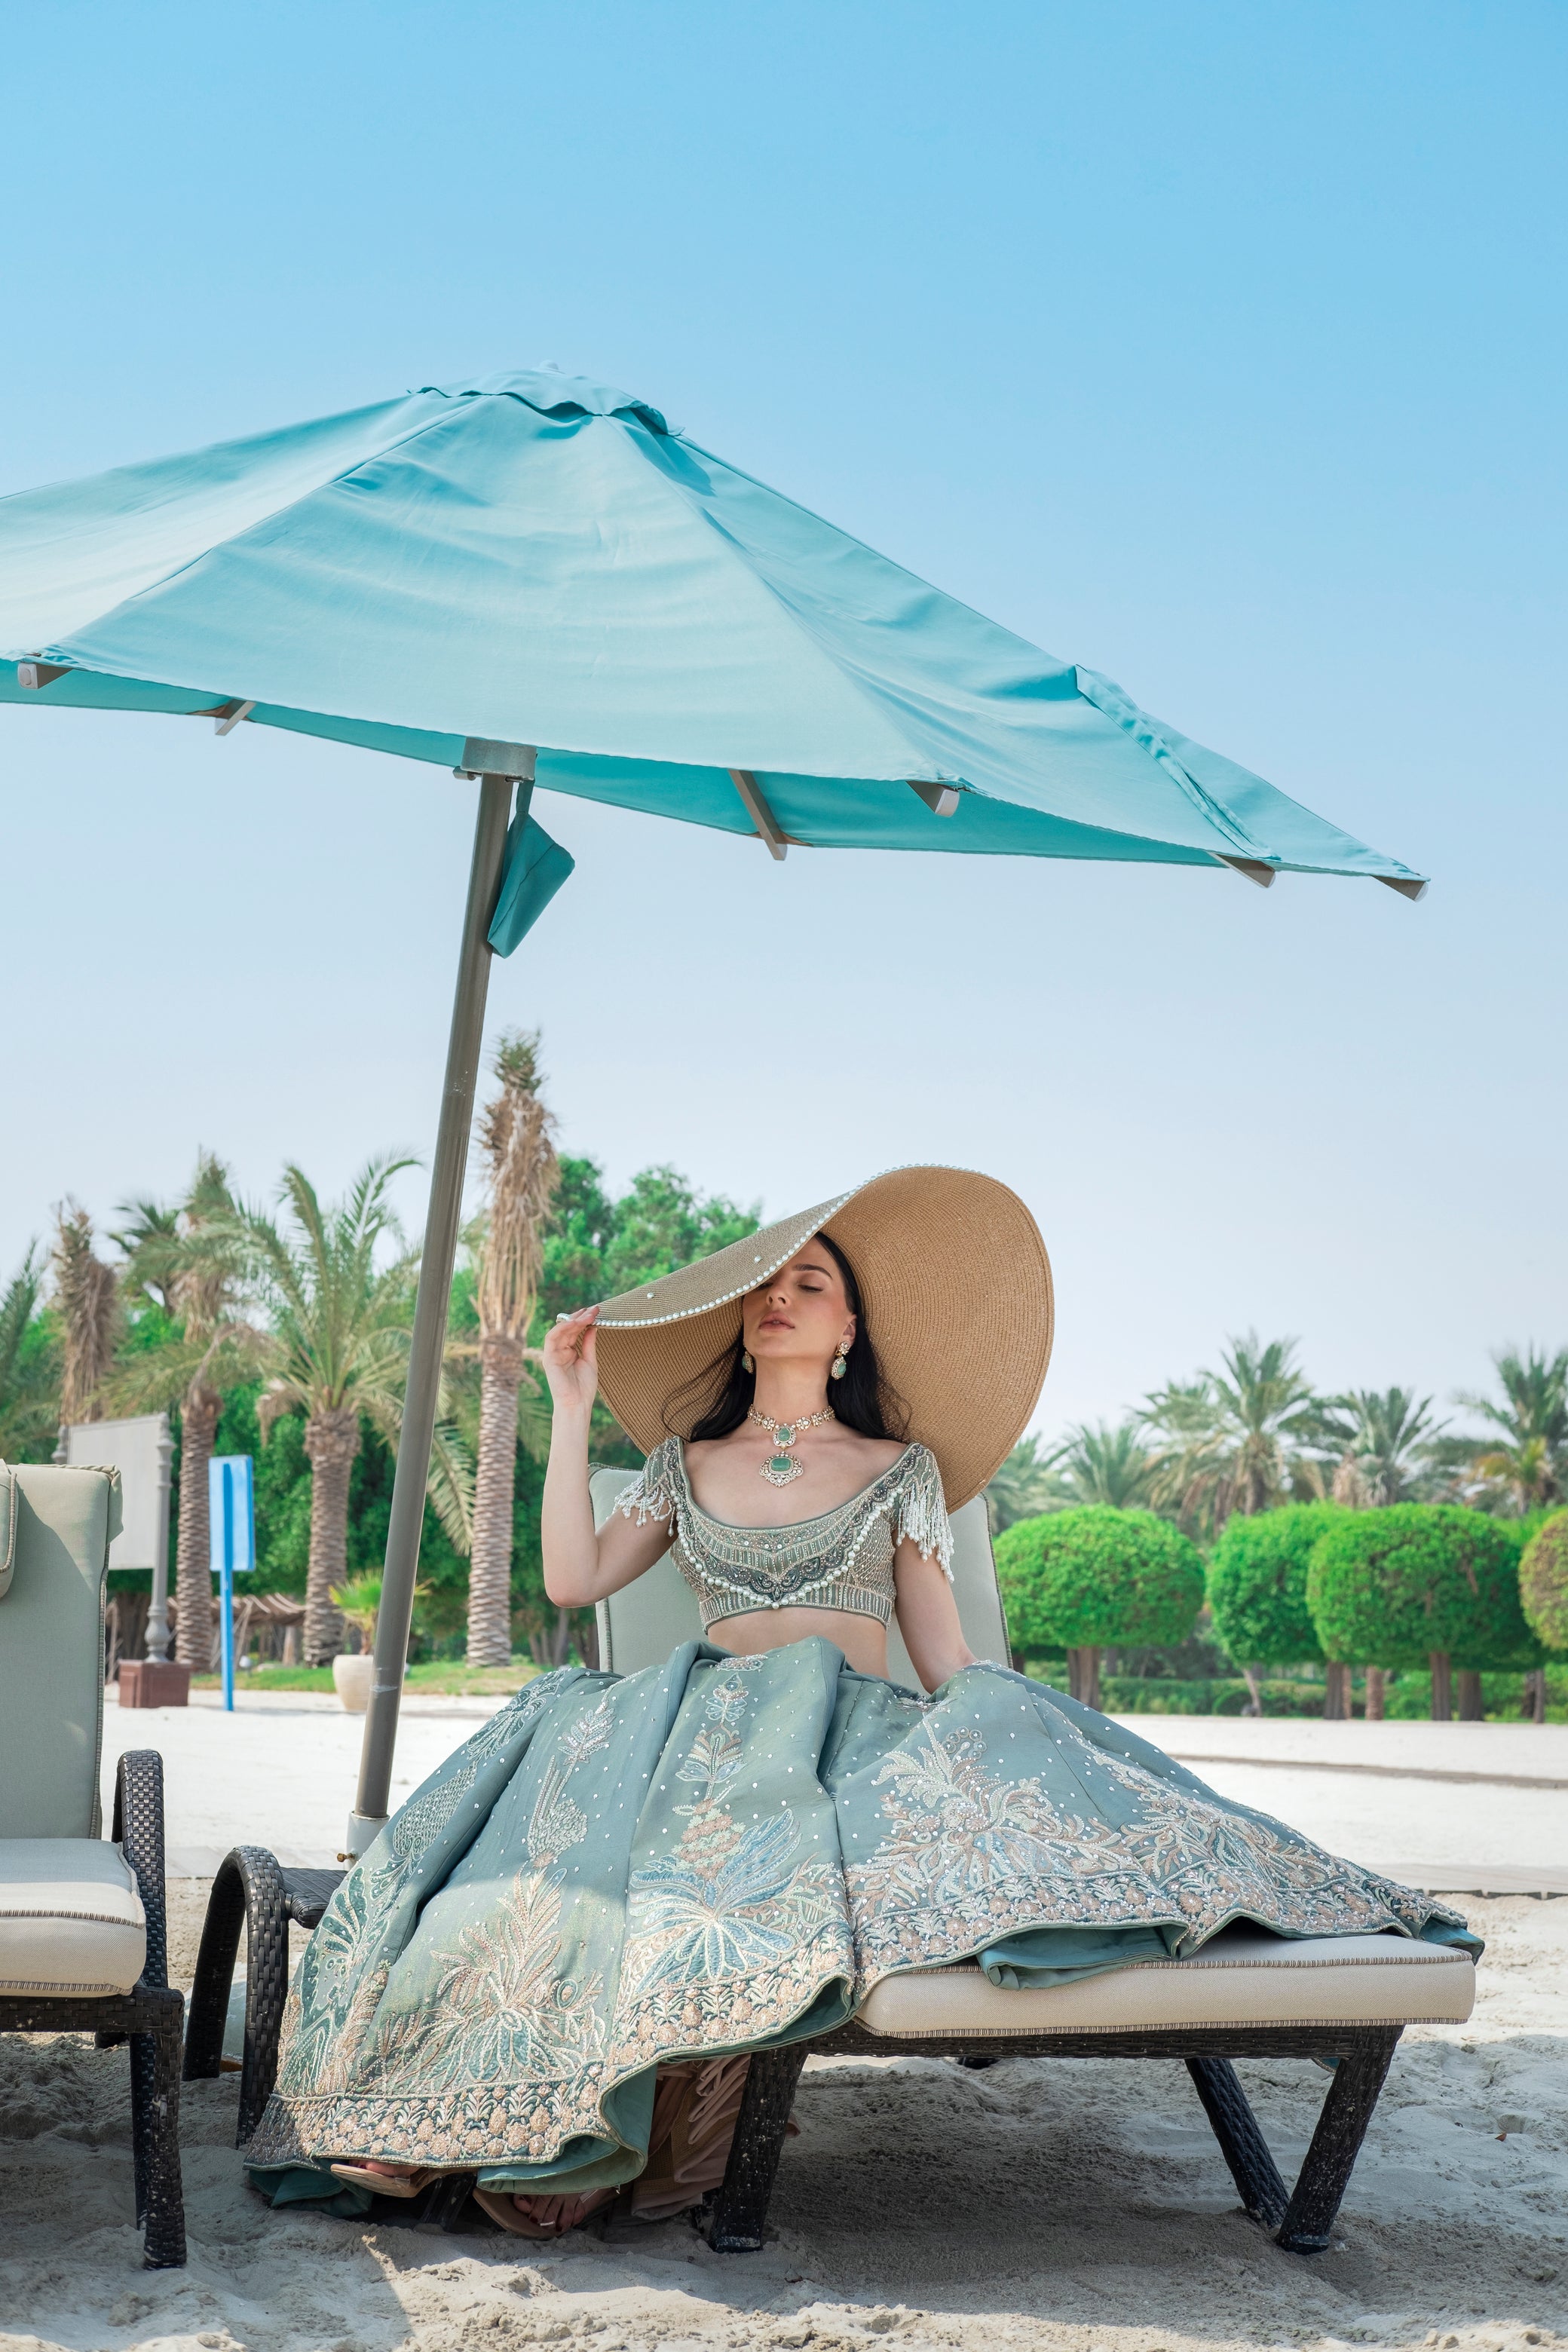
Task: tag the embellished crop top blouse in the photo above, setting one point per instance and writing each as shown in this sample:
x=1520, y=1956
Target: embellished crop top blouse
x=841, y=1559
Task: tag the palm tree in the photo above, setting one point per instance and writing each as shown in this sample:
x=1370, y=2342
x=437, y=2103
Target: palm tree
x=30, y=1368
x=520, y=1174
x=1230, y=1441
x=1529, y=1467
x=89, y=1302
x=191, y=1261
x=1022, y=1486
x=147, y=1242
x=1389, y=1446
x=1391, y=1450
x=337, y=1348
x=1101, y=1464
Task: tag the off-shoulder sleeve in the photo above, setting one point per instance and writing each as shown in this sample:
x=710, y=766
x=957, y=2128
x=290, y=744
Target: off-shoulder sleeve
x=652, y=1494
x=919, y=1513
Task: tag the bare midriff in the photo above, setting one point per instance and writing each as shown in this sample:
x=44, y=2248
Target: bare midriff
x=863, y=1640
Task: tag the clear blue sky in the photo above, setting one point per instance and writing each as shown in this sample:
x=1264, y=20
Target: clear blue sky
x=1219, y=348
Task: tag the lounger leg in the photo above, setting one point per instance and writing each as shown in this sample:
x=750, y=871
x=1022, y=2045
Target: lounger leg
x=448, y=2202
x=156, y=2126
x=1242, y=2144
x=1336, y=2143
x=143, y=2081
x=214, y=1973
x=741, y=2207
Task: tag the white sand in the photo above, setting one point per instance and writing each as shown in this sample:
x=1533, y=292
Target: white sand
x=1078, y=2206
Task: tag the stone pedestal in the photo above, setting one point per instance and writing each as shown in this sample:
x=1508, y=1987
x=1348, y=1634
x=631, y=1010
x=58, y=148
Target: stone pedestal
x=154, y=1682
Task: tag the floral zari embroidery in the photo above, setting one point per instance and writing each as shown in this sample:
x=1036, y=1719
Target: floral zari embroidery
x=670, y=1891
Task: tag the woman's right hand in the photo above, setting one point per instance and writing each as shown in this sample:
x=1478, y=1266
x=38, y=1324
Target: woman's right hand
x=569, y=1361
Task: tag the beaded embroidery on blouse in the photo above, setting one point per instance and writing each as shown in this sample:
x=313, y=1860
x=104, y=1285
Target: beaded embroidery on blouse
x=841, y=1559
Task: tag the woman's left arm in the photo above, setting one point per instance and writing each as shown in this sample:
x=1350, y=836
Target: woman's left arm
x=928, y=1616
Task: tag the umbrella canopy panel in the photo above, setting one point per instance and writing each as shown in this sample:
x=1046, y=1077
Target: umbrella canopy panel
x=539, y=560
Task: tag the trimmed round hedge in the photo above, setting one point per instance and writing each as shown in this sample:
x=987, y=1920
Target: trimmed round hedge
x=1544, y=1581
x=1095, y=1577
x=1258, y=1583
x=1395, y=1586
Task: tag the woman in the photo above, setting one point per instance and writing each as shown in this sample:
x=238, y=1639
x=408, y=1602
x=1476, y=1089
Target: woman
x=552, y=1966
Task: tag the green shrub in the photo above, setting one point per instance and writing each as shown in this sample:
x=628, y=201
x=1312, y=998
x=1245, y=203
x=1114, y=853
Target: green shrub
x=1223, y=1695
x=1544, y=1581
x=1085, y=1578
x=1258, y=1583
x=1419, y=1582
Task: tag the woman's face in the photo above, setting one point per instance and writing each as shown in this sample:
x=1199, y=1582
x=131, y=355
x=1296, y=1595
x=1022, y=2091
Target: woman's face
x=800, y=1312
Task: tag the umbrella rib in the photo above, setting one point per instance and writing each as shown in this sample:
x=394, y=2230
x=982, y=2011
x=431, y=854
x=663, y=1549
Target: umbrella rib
x=1251, y=870
x=761, y=814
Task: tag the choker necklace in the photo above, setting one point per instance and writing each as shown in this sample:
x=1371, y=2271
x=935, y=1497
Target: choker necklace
x=781, y=1467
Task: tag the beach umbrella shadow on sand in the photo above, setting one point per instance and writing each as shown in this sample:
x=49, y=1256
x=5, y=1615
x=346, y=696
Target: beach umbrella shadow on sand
x=534, y=580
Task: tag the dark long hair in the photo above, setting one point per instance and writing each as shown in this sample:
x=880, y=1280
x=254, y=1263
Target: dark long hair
x=721, y=1394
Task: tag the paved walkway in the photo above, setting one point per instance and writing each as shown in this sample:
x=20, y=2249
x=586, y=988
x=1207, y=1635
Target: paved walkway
x=1528, y=1753
x=280, y=1772
x=1466, y=1806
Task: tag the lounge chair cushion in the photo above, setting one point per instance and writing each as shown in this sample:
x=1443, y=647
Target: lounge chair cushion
x=1242, y=1977
x=71, y=1921
x=51, y=1651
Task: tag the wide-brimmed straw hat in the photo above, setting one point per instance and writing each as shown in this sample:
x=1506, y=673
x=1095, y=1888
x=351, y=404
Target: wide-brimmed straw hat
x=956, y=1289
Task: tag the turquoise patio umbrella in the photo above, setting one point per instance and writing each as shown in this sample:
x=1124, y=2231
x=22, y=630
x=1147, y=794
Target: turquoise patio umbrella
x=536, y=581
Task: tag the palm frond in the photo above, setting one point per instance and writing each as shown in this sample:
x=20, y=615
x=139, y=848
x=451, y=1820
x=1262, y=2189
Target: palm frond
x=29, y=1366
x=18, y=1307
x=533, y=1418
x=450, y=1486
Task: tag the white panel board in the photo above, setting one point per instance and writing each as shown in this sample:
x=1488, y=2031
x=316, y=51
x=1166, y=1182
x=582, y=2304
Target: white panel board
x=139, y=1450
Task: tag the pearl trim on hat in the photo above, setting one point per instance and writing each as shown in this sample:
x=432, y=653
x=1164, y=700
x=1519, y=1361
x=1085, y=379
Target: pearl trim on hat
x=684, y=1314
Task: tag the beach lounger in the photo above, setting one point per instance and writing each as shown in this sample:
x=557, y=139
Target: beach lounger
x=1343, y=2000
x=83, y=1938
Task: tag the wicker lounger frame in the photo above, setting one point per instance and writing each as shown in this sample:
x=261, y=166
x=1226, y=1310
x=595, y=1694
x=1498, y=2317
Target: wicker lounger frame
x=253, y=1888
x=1301, y=2219
x=150, y=2017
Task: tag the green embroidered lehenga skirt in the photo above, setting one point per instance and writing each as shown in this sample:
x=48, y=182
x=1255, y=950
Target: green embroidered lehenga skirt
x=722, y=1854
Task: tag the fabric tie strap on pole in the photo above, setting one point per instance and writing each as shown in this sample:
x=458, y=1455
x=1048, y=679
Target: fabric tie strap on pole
x=535, y=868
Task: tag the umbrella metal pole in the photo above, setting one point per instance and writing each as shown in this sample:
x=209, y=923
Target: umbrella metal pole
x=428, y=1341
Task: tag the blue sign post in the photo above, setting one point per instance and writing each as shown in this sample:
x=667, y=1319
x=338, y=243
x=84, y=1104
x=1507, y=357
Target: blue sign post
x=231, y=1514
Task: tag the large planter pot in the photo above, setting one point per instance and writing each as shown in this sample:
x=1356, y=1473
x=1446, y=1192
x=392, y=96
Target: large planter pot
x=352, y=1675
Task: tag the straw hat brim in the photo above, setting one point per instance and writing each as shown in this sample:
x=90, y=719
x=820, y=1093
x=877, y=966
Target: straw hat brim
x=956, y=1289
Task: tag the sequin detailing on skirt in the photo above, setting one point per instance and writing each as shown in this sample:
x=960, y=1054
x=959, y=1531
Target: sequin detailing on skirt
x=722, y=1854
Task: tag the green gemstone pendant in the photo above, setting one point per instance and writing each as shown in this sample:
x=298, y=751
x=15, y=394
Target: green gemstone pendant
x=780, y=1468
